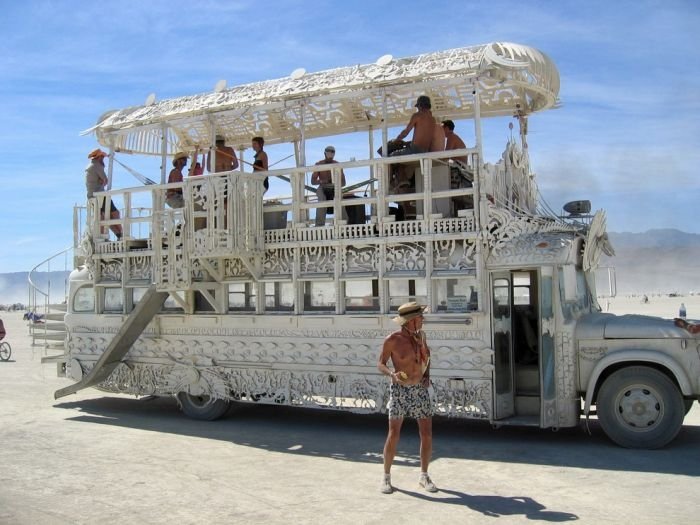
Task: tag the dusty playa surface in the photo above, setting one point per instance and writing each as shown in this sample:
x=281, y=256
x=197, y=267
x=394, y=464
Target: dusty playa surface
x=98, y=458
x=661, y=305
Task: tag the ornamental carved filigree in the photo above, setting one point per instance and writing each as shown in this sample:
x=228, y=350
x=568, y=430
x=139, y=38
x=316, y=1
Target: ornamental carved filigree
x=360, y=259
x=235, y=268
x=504, y=226
x=472, y=399
x=454, y=254
x=566, y=366
x=87, y=247
x=405, y=256
x=111, y=270
x=317, y=259
x=350, y=391
x=278, y=261
x=140, y=268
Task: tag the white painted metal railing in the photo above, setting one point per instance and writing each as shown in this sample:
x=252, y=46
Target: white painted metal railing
x=228, y=210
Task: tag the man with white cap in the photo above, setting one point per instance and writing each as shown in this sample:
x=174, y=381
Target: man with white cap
x=409, y=396
x=325, y=183
x=96, y=180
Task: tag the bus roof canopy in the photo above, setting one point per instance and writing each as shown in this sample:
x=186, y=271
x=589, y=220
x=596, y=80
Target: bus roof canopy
x=510, y=78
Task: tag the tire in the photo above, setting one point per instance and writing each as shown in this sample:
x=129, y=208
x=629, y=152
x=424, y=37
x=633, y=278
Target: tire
x=5, y=351
x=202, y=407
x=640, y=407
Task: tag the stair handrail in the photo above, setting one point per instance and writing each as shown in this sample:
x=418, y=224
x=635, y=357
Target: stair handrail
x=35, y=291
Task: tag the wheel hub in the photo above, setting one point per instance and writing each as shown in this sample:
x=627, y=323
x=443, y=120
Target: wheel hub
x=640, y=407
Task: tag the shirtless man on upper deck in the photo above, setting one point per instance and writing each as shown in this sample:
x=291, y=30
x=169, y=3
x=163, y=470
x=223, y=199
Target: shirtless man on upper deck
x=409, y=397
x=423, y=125
x=226, y=159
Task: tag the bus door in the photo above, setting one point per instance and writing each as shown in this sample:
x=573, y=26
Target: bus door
x=504, y=405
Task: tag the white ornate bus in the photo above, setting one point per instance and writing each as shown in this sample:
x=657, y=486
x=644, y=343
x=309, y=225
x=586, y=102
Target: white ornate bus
x=240, y=297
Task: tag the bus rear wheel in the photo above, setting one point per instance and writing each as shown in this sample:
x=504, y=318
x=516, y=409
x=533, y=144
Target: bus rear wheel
x=205, y=408
x=640, y=407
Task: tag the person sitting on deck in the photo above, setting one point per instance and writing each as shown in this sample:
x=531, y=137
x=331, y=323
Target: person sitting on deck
x=458, y=179
x=174, y=197
x=453, y=141
x=423, y=125
x=226, y=159
x=261, y=163
x=325, y=183
x=96, y=180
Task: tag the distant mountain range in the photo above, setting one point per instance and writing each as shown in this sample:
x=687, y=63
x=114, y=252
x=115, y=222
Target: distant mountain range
x=14, y=287
x=656, y=261
x=662, y=261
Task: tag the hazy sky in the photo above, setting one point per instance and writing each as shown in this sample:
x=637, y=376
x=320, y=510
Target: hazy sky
x=626, y=136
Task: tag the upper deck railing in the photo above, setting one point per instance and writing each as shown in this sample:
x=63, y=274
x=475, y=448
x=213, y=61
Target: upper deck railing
x=228, y=216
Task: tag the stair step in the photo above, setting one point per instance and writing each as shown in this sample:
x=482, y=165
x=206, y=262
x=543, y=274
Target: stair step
x=58, y=358
x=527, y=405
x=59, y=307
x=53, y=326
x=52, y=336
x=527, y=379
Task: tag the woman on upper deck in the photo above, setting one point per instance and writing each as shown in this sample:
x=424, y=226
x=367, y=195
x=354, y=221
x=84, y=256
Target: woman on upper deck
x=260, y=157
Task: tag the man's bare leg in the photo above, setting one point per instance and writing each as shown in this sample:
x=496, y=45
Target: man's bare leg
x=392, y=442
x=425, y=429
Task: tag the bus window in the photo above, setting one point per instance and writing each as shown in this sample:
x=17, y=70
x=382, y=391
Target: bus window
x=84, y=299
x=138, y=293
x=202, y=304
x=319, y=296
x=362, y=296
x=501, y=298
x=279, y=297
x=521, y=289
x=241, y=297
x=405, y=290
x=455, y=295
x=171, y=304
x=114, y=300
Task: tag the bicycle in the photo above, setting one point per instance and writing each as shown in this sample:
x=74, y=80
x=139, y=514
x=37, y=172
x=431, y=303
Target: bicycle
x=5, y=348
x=5, y=351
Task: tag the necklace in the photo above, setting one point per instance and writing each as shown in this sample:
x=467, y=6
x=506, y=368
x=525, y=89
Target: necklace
x=417, y=342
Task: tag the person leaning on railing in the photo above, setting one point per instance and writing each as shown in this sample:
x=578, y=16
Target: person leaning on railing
x=324, y=181
x=96, y=180
x=173, y=196
x=261, y=162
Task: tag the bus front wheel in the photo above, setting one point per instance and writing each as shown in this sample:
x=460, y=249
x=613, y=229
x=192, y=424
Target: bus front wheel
x=640, y=407
x=205, y=408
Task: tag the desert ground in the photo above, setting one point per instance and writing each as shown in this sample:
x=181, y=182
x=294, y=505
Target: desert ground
x=661, y=305
x=99, y=458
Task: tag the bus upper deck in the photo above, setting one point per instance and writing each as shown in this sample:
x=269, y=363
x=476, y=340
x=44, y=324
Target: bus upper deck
x=228, y=216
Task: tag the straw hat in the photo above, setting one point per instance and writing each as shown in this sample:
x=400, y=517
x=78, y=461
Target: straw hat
x=180, y=155
x=97, y=153
x=409, y=311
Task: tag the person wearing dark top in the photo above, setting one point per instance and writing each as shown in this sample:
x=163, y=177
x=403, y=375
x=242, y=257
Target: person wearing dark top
x=260, y=157
x=326, y=186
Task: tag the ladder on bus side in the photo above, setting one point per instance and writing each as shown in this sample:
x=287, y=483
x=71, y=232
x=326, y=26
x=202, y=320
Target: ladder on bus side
x=149, y=305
